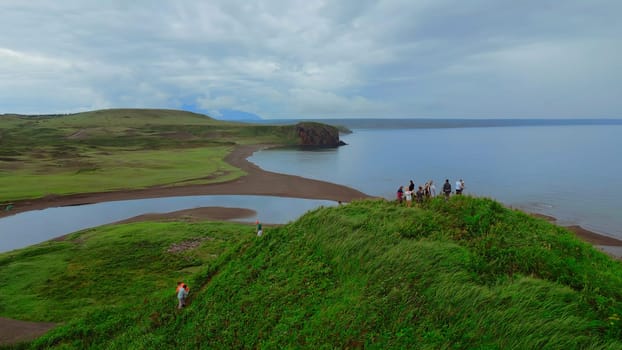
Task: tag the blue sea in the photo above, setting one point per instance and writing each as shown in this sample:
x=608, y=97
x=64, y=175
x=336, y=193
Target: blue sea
x=571, y=172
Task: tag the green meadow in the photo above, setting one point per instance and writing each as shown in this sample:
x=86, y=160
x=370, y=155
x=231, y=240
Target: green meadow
x=120, y=149
x=466, y=273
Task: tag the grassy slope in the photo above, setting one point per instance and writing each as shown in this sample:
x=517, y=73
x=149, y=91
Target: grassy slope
x=119, y=149
x=467, y=273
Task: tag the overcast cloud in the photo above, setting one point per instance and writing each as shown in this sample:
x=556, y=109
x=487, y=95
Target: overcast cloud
x=294, y=59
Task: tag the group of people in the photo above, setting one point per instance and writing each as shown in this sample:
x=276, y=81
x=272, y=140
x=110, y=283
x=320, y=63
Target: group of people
x=426, y=191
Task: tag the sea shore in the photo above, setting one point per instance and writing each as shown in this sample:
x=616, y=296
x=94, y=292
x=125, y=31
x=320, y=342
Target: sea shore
x=256, y=182
x=607, y=244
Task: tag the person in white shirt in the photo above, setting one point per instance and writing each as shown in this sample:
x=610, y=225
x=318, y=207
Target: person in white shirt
x=409, y=198
x=459, y=186
x=182, y=294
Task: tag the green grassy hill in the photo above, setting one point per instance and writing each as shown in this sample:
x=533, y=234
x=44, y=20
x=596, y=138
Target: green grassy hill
x=118, y=149
x=462, y=274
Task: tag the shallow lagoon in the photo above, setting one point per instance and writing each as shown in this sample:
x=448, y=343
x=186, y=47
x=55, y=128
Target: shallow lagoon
x=27, y=228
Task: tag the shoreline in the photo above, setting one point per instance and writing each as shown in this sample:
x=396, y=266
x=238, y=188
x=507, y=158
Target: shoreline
x=607, y=244
x=256, y=182
x=588, y=235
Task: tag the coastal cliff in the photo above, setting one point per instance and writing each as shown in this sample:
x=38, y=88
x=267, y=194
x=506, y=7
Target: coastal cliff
x=317, y=135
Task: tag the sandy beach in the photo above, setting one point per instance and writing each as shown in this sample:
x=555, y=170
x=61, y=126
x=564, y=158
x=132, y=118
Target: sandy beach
x=256, y=182
x=607, y=244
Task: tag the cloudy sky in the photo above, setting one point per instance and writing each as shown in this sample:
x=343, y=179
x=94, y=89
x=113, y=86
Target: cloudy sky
x=315, y=59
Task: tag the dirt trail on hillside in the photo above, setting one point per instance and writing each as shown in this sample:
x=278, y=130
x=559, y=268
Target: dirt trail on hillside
x=13, y=331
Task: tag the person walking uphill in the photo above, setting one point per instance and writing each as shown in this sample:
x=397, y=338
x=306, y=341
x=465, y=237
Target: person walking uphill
x=447, y=189
x=182, y=294
x=259, y=230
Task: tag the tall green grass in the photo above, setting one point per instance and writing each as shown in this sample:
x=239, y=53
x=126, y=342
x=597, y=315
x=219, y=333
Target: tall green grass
x=462, y=274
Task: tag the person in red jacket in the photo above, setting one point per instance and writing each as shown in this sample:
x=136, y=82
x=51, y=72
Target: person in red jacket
x=400, y=194
x=182, y=292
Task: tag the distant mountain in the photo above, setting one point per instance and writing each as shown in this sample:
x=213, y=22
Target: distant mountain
x=232, y=114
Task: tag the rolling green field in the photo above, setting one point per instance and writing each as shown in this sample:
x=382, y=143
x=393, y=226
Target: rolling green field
x=120, y=149
x=462, y=274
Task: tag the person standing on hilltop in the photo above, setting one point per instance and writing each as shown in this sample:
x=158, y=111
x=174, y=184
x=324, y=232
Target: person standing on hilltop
x=400, y=194
x=409, y=197
x=447, y=189
x=458, y=187
x=461, y=185
x=420, y=194
x=411, y=187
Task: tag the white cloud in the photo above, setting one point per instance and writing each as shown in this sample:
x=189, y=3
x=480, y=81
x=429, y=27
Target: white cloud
x=219, y=102
x=306, y=58
x=326, y=104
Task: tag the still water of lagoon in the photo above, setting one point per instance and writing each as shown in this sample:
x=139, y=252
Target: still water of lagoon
x=24, y=229
x=570, y=172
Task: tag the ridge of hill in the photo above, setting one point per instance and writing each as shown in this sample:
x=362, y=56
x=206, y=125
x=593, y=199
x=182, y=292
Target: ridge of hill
x=465, y=273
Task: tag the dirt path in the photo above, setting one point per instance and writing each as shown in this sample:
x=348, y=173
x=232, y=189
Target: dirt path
x=13, y=331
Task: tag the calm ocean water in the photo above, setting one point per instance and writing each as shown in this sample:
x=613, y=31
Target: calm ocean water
x=570, y=172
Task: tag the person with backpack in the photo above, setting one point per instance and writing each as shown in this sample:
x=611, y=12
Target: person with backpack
x=447, y=189
x=259, y=230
